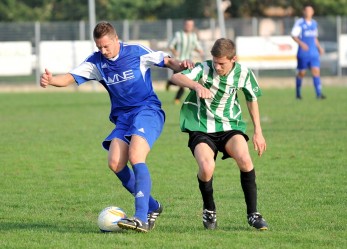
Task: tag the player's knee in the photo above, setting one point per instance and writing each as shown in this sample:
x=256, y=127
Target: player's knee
x=135, y=158
x=115, y=165
x=244, y=162
x=301, y=74
x=206, y=169
x=205, y=176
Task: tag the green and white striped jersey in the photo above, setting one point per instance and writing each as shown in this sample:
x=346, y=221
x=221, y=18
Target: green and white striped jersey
x=223, y=111
x=185, y=44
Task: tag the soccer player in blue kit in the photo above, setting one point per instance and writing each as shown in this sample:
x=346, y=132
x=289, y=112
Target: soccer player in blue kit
x=305, y=33
x=124, y=70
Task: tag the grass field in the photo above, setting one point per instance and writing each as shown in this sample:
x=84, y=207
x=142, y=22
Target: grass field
x=55, y=179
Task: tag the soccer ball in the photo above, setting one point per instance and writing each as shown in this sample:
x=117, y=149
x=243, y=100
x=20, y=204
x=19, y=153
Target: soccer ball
x=109, y=217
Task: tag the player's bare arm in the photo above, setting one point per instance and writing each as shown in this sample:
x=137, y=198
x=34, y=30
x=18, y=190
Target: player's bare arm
x=302, y=44
x=58, y=80
x=174, y=52
x=183, y=81
x=177, y=65
x=259, y=142
x=320, y=49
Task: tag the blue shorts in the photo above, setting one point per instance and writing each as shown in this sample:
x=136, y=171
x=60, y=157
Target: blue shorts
x=305, y=62
x=147, y=123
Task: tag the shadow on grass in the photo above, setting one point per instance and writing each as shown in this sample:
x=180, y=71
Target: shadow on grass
x=61, y=228
x=180, y=228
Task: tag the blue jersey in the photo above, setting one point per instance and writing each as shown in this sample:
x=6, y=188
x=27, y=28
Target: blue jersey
x=306, y=32
x=127, y=77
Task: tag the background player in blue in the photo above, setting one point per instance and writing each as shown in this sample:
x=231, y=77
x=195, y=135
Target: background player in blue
x=305, y=33
x=124, y=70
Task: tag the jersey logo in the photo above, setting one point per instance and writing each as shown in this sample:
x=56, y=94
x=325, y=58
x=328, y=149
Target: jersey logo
x=119, y=78
x=310, y=33
x=104, y=65
x=232, y=90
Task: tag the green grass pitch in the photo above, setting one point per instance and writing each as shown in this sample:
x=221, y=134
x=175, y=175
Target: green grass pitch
x=55, y=179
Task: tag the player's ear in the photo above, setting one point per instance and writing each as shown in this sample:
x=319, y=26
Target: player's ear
x=234, y=58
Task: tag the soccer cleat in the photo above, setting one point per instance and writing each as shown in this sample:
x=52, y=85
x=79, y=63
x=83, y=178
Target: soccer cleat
x=133, y=224
x=167, y=85
x=321, y=97
x=152, y=217
x=209, y=219
x=298, y=97
x=257, y=221
x=177, y=102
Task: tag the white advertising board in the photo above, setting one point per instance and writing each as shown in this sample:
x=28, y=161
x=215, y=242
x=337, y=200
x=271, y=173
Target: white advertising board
x=15, y=58
x=343, y=51
x=63, y=56
x=271, y=52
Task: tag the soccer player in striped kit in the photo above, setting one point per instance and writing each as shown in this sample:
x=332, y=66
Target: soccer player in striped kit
x=211, y=115
x=124, y=70
x=182, y=46
x=305, y=33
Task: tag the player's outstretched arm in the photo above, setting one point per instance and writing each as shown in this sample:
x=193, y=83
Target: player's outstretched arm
x=177, y=65
x=183, y=81
x=58, y=80
x=259, y=142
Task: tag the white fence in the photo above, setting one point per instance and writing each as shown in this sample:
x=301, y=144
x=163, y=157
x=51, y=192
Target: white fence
x=262, y=44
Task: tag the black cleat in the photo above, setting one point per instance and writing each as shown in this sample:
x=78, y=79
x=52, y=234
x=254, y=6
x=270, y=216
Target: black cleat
x=209, y=219
x=152, y=217
x=257, y=221
x=321, y=97
x=133, y=224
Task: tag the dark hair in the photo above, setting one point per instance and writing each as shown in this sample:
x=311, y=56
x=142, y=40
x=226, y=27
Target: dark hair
x=223, y=47
x=102, y=29
x=307, y=5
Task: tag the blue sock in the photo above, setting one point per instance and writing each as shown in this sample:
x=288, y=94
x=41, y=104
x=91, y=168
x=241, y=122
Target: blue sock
x=143, y=186
x=317, y=86
x=298, y=82
x=127, y=177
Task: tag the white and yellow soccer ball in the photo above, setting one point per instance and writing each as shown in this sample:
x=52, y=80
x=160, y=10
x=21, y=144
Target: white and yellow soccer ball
x=109, y=217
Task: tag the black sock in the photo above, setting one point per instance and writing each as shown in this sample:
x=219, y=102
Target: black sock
x=206, y=190
x=249, y=188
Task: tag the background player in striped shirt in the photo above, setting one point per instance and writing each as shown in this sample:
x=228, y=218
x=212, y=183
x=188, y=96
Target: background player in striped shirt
x=211, y=115
x=305, y=33
x=124, y=70
x=182, y=46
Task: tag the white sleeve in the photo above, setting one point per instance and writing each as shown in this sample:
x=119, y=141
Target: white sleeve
x=296, y=30
x=87, y=70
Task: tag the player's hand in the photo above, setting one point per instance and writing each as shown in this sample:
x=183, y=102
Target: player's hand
x=304, y=46
x=187, y=64
x=259, y=143
x=202, y=92
x=46, y=78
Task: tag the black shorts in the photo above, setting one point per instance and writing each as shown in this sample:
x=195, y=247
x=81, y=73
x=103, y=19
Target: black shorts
x=216, y=141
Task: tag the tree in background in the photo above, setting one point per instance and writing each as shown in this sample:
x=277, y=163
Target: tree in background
x=71, y=10
x=43, y=10
x=259, y=8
